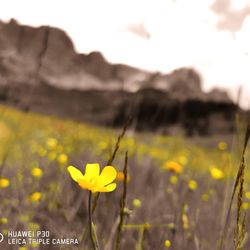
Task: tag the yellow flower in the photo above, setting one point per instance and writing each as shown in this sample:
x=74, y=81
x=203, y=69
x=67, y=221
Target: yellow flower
x=247, y=194
x=37, y=172
x=222, y=145
x=245, y=206
x=173, y=179
x=216, y=173
x=51, y=143
x=92, y=179
x=120, y=176
x=167, y=243
x=33, y=226
x=62, y=159
x=35, y=197
x=3, y=220
x=192, y=185
x=183, y=159
x=173, y=166
x=136, y=203
x=103, y=145
x=4, y=182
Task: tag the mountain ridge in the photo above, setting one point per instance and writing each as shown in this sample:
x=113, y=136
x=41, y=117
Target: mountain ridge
x=41, y=71
x=24, y=50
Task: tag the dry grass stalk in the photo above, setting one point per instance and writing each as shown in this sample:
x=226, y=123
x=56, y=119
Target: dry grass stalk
x=240, y=229
x=239, y=183
x=122, y=203
x=111, y=159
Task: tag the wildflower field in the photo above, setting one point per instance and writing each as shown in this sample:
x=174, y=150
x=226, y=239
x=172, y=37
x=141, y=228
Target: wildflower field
x=118, y=189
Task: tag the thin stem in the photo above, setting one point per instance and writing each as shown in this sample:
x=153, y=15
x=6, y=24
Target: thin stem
x=122, y=203
x=112, y=157
x=93, y=241
x=139, y=245
x=236, y=183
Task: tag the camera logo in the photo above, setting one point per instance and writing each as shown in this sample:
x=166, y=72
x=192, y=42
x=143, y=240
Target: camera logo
x=1, y=237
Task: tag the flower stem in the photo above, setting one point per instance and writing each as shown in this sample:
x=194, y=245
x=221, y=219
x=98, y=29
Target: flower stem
x=113, y=155
x=92, y=237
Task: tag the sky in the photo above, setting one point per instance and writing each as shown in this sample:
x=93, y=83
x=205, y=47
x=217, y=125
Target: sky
x=212, y=36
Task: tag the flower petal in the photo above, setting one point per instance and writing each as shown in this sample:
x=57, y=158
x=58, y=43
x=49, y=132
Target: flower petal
x=84, y=184
x=107, y=175
x=92, y=171
x=109, y=188
x=75, y=173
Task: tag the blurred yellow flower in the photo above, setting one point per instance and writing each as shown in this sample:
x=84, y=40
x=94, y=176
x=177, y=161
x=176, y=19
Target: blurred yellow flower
x=33, y=226
x=4, y=182
x=173, y=166
x=211, y=191
x=3, y=220
x=171, y=226
x=169, y=190
x=185, y=223
x=245, y=206
x=37, y=172
x=192, y=185
x=103, y=145
x=183, y=159
x=247, y=195
x=35, y=197
x=22, y=248
x=93, y=180
x=216, y=173
x=136, y=203
x=51, y=143
x=174, y=179
x=222, y=145
x=62, y=159
x=167, y=243
x=205, y=197
x=120, y=176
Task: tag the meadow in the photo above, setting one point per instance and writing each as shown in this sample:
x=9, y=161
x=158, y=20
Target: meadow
x=172, y=192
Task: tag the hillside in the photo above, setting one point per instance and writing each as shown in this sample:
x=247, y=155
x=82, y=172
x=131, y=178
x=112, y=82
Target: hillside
x=41, y=71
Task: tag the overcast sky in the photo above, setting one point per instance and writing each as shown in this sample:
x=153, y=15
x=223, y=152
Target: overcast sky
x=213, y=36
